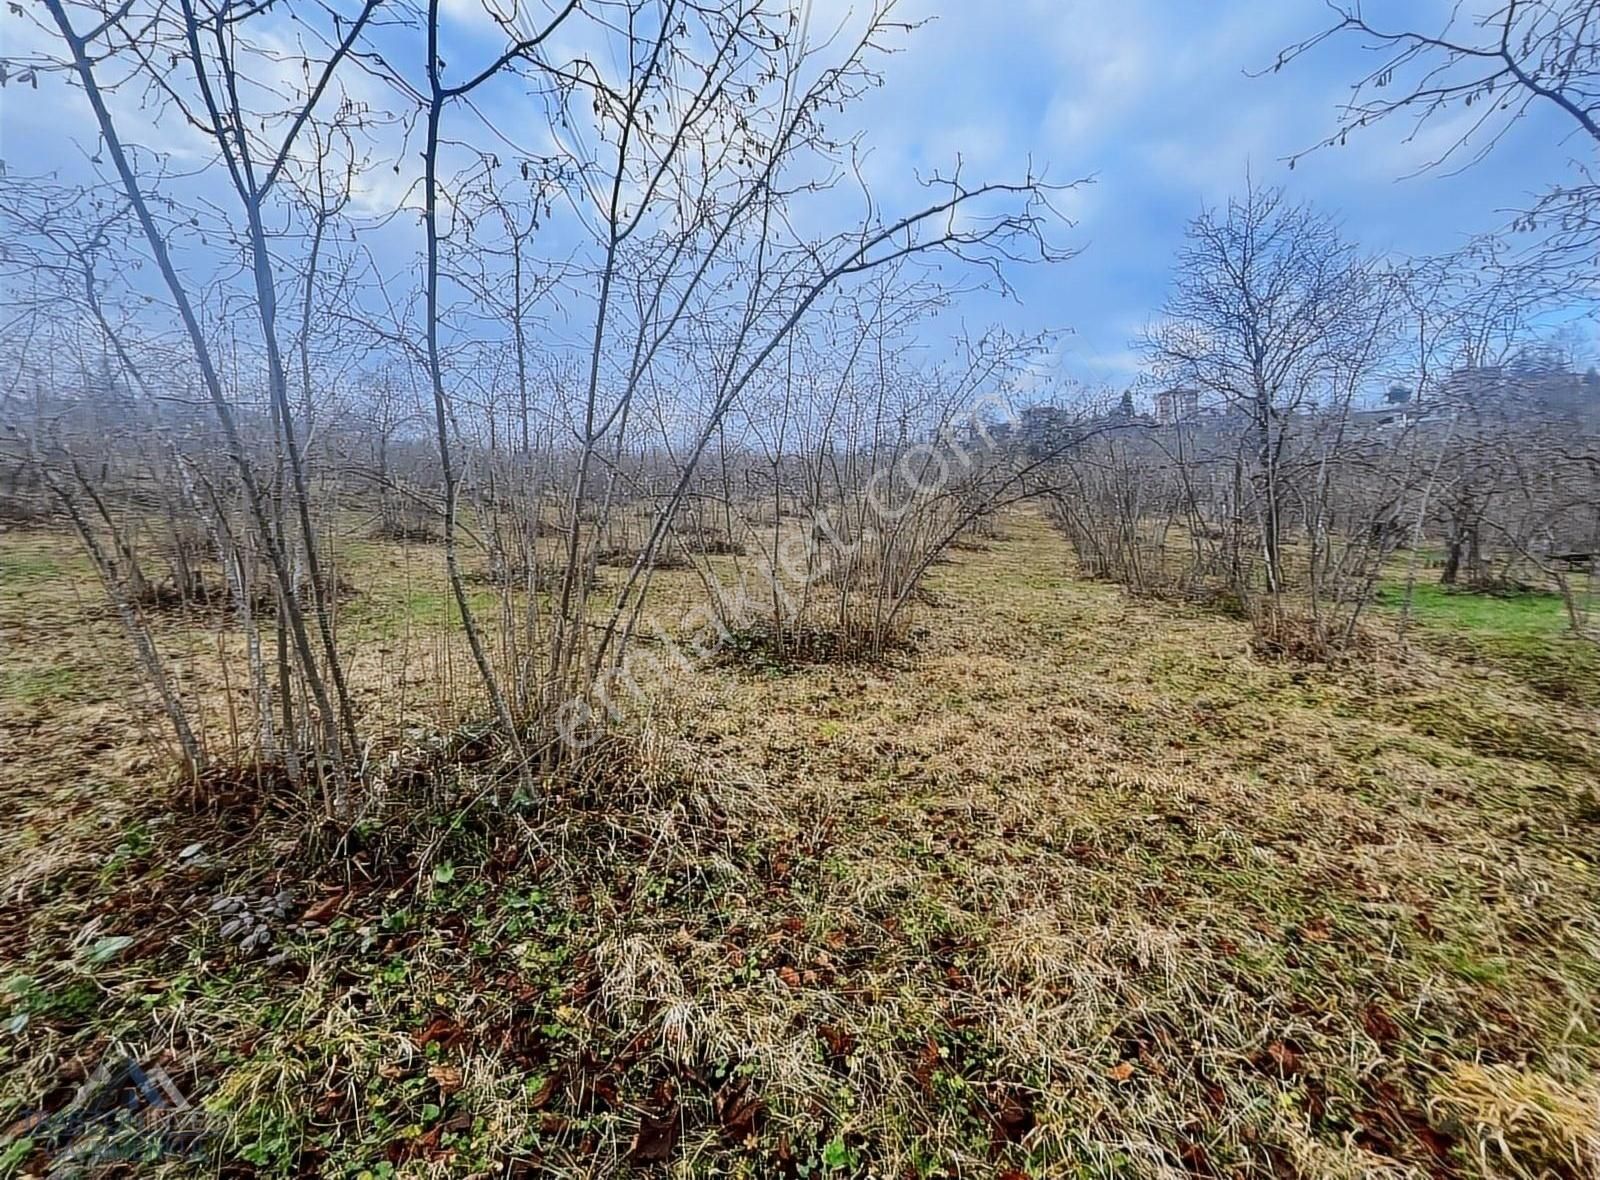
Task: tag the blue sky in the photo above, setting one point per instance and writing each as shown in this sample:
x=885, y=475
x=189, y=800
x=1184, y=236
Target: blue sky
x=1149, y=98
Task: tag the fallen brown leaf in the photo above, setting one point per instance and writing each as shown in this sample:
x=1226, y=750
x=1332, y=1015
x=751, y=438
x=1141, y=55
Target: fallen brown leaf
x=441, y=1029
x=1013, y=1116
x=656, y=1137
x=540, y=1098
x=739, y=1112
x=1281, y=1056
x=840, y=1043
x=1380, y=1025
x=320, y=912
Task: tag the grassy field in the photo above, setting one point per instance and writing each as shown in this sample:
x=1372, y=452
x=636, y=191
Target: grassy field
x=1076, y=887
x=1525, y=633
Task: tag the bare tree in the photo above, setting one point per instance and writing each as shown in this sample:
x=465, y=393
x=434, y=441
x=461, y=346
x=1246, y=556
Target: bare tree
x=1267, y=294
x=1489, y=69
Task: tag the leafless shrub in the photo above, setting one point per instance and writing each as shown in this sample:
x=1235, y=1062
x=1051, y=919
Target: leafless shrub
x=629, y=402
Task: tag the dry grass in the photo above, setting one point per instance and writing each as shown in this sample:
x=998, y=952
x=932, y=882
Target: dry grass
x=1287, y=632
x=1523, y=1123
x=1084, y=889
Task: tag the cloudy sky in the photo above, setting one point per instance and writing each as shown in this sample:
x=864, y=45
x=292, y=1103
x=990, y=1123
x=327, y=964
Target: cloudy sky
x=1150, y=99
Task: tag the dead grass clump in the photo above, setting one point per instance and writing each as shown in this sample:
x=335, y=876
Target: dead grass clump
x=229, y=790
x=709, y=542
x=1213, y=596
x=718, y=546
x=626, y=557
x=208, y=593
x=515, y=575
x=629, y=833
x=593, y=1035
x=765, y=645
x=1153, y=575
x=1523, y=1123
x=406, y=532
x=201, y=593
x=1280, y=633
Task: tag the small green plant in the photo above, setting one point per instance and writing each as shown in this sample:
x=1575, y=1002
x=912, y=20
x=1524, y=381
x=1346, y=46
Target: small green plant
x=837, y=1156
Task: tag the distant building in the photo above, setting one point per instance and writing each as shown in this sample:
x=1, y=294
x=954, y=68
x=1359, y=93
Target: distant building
x=1392, y=417
x=1177, y=405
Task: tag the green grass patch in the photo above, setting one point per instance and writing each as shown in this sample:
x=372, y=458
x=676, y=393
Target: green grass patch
x=1524, y=613
x=28, y=566
x=1526, y=634
x=31, y=687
